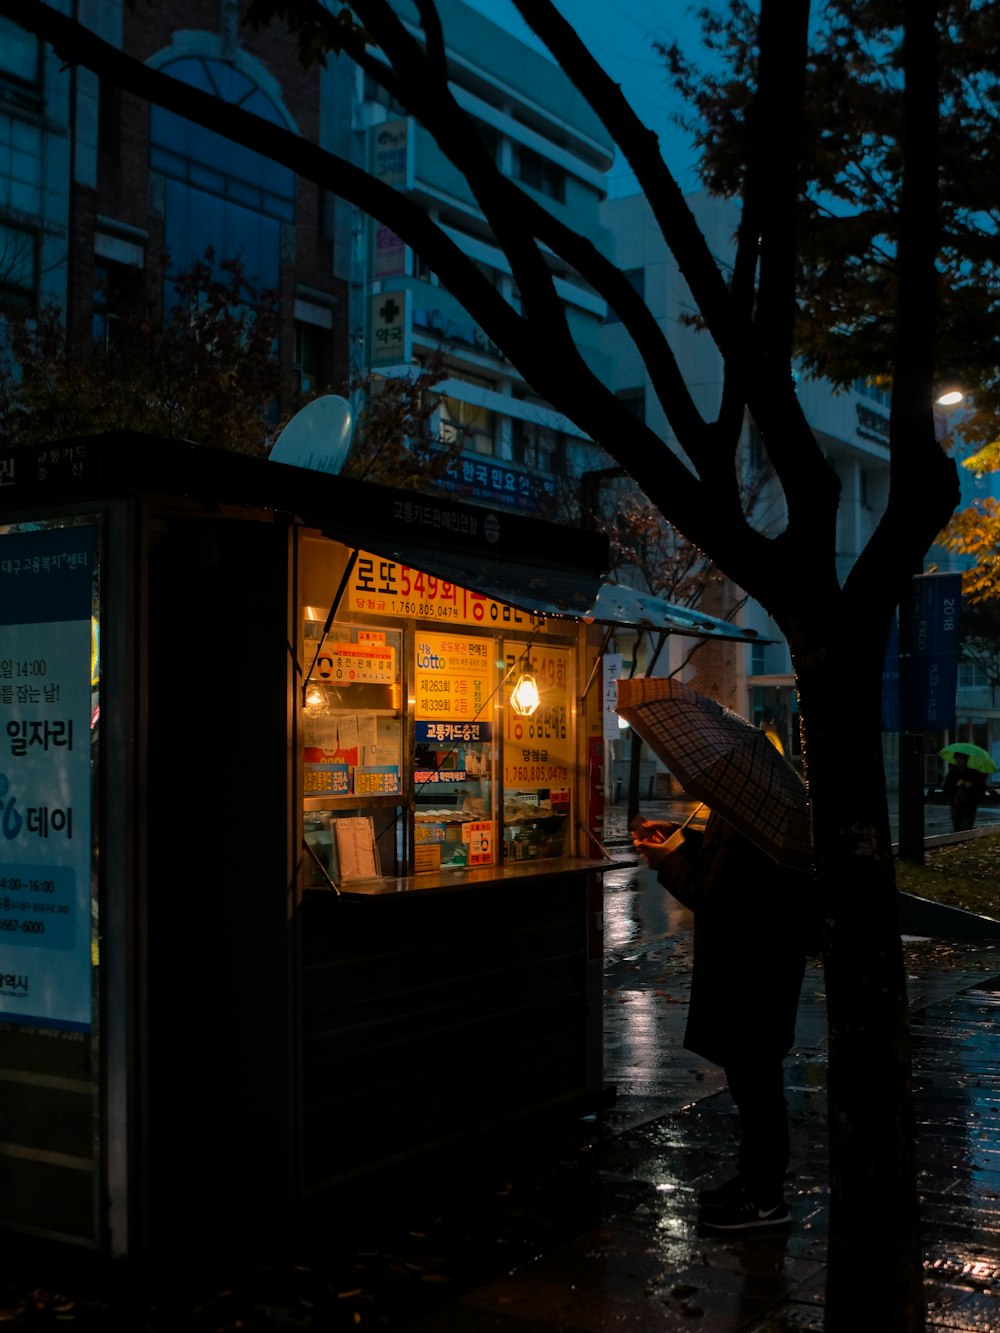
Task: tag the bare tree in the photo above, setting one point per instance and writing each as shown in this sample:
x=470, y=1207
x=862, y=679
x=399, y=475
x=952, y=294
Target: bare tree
x=836, y=630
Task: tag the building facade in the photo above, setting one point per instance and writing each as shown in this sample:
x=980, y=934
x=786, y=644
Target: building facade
x=103, y=197
x=852, y=428
x=515, y=450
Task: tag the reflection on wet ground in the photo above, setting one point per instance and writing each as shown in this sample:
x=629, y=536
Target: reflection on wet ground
x=633, y=1257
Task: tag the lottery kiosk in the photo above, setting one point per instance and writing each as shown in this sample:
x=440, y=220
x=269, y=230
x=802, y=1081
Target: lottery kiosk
x=299, y=867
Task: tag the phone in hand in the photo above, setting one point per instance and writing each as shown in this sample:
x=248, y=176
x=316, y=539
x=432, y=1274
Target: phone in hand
x=653, y=835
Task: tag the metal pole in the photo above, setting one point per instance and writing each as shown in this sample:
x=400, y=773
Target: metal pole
x=911, y=758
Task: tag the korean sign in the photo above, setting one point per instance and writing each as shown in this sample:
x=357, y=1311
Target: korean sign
x=385, y=588
x=391, y=156
x=538, y=750
x=48, y=667
x=452, y=677
x=391, y=340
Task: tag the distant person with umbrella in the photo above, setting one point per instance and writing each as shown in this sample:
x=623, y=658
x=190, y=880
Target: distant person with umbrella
x=965, y=782
x=747, y=880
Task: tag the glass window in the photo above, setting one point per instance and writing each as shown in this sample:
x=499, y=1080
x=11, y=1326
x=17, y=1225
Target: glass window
x=972, y=676
x=220, y=194
x=634, y=400
x=538, y=172
x=467, y=423
x=19, y=55
x=18, y=265
x=454, y=679
x=536, y=446
x=538, y=755
x=311, y=356
x=352, y=750
x=118, y=291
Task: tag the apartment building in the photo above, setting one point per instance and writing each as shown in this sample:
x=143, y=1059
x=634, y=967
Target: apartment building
x=516, y=451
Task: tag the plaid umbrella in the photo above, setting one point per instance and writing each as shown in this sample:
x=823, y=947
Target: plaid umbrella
x=724, y=761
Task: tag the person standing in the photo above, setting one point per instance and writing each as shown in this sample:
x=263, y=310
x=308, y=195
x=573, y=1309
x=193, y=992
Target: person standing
x=755, y=923
x=964, y=788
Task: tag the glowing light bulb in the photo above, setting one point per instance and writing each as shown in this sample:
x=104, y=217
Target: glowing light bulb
x=524, y=697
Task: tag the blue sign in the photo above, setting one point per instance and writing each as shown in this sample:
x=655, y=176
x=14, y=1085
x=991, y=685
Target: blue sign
x=929, y=653
x=48, y=669
x=434, y=733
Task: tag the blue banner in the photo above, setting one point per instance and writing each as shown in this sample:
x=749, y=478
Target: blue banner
x=48, y=704
x=929, y=653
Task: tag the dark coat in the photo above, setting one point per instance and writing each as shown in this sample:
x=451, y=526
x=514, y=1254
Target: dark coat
x=964, y=787
x=755, y=922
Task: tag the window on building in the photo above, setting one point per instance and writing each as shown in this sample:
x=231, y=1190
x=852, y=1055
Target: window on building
x=119, y=290
x=634, y=400
x=875, y=392
x=374, y=92
x=19, y=266
x=637, y=278
x=539, y=173
x=220, y=195
x=312, y=357
x=536, y=447
x=971, y=676
x=469, y=424
x=20, y=60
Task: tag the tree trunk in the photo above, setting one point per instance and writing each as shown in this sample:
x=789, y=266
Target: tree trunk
x=874, y=1206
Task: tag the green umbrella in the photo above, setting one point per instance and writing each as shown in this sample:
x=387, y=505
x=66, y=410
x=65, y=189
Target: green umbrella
x=978, y=757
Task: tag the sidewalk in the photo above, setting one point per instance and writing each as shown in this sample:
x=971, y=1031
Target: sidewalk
x=637, y=1260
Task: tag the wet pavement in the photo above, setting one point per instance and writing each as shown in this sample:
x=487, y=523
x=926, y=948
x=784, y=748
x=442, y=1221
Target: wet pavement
x=591, y=1225
x=635, y=1258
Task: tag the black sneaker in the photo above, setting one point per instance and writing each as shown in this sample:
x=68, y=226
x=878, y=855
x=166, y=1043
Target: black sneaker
x=740, y=1213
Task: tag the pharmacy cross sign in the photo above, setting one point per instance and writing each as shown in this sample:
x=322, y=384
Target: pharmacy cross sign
x=390, y=333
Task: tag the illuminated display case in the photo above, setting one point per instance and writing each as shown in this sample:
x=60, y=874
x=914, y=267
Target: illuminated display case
x=538, y=755
x=352, y=730
x=454, y=809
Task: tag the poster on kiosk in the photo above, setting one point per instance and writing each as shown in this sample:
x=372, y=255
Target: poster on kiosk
x=48, y=676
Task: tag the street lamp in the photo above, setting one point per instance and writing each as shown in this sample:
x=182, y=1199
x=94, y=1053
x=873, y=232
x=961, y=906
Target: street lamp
x=911, y=756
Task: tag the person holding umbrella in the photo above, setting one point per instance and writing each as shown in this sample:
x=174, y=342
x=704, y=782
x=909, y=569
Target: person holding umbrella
x=965, y=782
x=756, y=920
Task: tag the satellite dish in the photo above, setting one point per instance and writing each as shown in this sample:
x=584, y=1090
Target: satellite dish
x=318, y=436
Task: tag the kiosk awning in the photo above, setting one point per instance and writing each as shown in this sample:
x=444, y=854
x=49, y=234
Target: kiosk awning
x=536, y=566
x=540, y=567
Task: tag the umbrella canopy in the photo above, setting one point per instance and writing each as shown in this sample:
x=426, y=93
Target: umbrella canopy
x=725, y=762
x=978, y=757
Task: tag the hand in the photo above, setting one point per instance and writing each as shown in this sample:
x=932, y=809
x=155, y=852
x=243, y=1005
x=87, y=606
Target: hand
x=649, y=837
x=652, y=830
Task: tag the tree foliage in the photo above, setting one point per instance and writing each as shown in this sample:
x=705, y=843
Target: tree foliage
x=204, y=368
x=850, y=182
